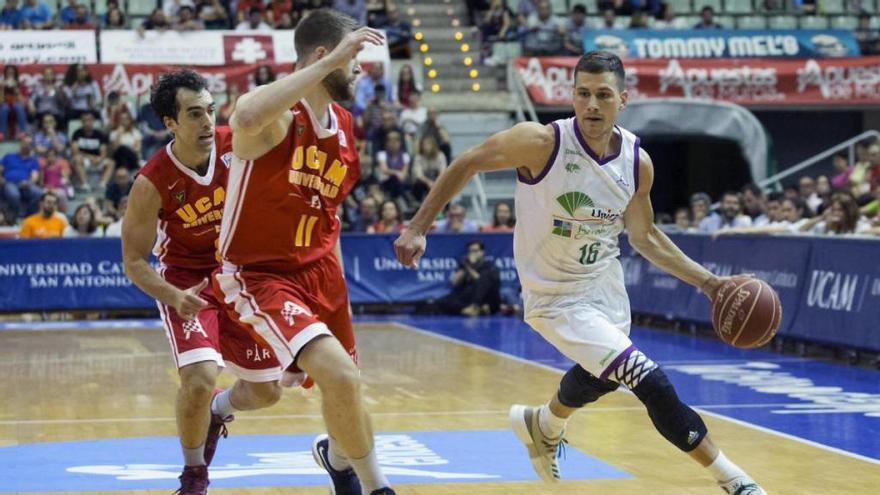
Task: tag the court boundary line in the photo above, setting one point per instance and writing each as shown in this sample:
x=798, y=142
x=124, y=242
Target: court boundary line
x=762, y=429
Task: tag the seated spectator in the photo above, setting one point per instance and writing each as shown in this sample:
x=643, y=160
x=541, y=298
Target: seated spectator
x=84, y=223
x=287, y=20
x=47, y=98
x=371, y=119
x=356, y=9
x=213, y=13
x=638, y=20
x=544, y=32
x=157, y=21
x=49, y=137
x=666, y=18
x=807, y=192
x=375, y=12
x=10, y=16
x=367, y=215
x=115, y=228
x=841, y=217
x=89, y=149
x=81, y=92
x=47, y=223
x=226, y=109
x=753, y=204
x=67, y=13
x=243, y=8
x=114, y=107
x=575, y=27
x=398, y=32
x=455, y=221
x=413, y=116
x=792, y=211
x=823, y=192
x=608, y=20
x=728, y=216
x=436, y=130
x=254, y=22
x=155, y=134
x=115, y=20
x=502, y=219
x=496, y=22
x=263, y=75
x=867, y=37
x=118, y=189
x=842, y=169
x=126, y=143
x=365, y=88
x=700, y=204
x=860, y=176
x=872, y=208
x=13, y=99
x=187, y=20
x=393, y=164
x=774, y=208
x=171, y=8
x=55, y=177
x=21, y=176
x=476, y=285
x=526, y=8
x=82, y=20
x=428, y=165
x=707, y=19
x=406, y=85
x=791, y=191
x=276, y=9
x=682, y=219
x=391, y=220
x=36, y=15
x=379, y=137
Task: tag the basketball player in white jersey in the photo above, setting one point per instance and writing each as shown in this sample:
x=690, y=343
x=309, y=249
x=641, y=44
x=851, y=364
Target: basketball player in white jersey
x=580, y=182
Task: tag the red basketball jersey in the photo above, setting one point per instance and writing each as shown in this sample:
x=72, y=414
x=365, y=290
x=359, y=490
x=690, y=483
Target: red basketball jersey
x=281, y=212
x=192, y=205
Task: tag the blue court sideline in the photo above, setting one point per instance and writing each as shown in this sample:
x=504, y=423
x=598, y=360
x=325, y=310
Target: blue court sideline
x=833, y=405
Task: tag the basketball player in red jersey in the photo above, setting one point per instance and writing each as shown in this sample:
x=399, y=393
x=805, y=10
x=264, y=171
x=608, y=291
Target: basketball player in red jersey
x=178, y=197
x=294, y=162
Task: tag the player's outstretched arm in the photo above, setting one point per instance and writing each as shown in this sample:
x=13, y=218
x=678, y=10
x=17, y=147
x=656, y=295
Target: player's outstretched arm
x=653, y=244
x=263, y=106
x=525, y=145
x=138, y=234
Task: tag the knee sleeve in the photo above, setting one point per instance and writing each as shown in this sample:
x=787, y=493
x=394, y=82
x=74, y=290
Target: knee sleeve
x=678, y=423
x=578, y=387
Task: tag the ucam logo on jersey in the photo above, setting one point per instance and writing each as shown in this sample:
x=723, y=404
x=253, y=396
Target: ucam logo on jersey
x=277, y=460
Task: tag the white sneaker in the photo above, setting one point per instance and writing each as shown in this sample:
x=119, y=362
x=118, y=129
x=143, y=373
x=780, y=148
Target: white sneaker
x=742, y=485
x=542, y=450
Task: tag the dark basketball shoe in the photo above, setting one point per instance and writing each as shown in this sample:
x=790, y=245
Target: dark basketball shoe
x=193, y=481
x=342, y=482
x=383, y=491
x=216, y=430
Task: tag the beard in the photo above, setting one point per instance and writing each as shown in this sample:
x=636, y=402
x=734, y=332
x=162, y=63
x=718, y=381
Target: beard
x=336, y=84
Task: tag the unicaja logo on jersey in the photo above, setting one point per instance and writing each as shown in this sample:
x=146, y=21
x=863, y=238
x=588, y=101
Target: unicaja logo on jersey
x=574, y=200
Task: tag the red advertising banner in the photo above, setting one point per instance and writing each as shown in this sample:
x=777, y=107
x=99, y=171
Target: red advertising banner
x=752, y=82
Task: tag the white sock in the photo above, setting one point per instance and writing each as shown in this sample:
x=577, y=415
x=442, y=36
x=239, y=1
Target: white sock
x=723, y=470
x=194, y=457
x=338, y=459
x=222, y=404
x=368, y=471
x=550, y=424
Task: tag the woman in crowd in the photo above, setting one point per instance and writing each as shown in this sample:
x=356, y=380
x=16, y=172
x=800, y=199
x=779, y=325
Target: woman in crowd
x=502, y=219
x=83, y=224
x=82, y=92
x=390, y=220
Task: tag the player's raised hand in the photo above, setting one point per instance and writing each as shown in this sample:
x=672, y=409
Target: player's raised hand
x=353, y=43
x=189, y=303
x=410, y=247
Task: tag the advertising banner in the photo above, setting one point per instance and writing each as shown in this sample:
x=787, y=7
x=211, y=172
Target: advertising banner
x=749, y=82
x=723, y=43
x=48, y=47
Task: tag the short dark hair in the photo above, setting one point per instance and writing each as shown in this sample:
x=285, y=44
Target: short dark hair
x=598, y=62
x=477, y=243
x=752, y=188
x=163, y=97
x=775, y=196
x=48, y=193
x=798, y=203
x=731, y=193
x=842, y=154
x=579, y=8
x=707, y=8
x=321, y=27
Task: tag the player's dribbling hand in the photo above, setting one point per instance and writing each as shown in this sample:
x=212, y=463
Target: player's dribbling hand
x=353, y=43
x=710, y=287
x=410, y=247
x=189, y=303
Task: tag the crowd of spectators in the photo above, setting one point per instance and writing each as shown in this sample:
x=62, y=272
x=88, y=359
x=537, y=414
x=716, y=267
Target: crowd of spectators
x=846, y=202
x=540, y=31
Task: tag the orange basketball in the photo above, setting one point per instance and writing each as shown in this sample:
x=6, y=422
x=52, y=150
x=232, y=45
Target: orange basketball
x=746, y=312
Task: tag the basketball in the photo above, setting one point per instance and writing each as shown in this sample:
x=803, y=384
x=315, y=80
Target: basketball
x=746, y=312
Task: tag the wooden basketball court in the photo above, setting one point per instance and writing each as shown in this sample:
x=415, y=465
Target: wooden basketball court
x=76, y=385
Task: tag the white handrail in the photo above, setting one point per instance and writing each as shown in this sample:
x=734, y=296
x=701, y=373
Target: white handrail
x=849, y=144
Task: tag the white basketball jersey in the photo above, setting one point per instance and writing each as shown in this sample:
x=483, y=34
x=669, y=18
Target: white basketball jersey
x=569, y=217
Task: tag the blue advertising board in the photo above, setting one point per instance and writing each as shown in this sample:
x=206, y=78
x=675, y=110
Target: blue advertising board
x=723, y=43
